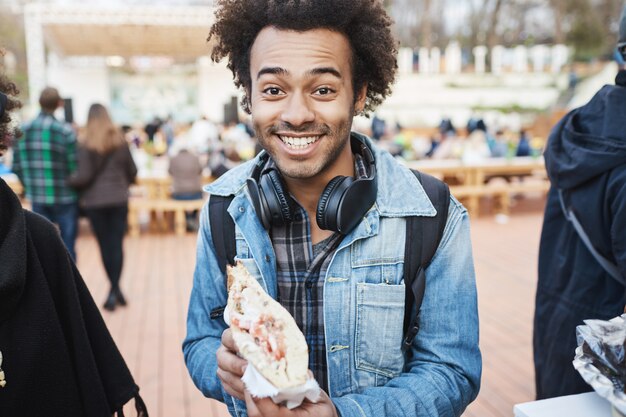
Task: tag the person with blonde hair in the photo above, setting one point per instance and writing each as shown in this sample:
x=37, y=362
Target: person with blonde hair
x=105, y=172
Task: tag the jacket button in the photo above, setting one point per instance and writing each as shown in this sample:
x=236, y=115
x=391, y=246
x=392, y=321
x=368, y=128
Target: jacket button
x=267, y=258
x=241, y=209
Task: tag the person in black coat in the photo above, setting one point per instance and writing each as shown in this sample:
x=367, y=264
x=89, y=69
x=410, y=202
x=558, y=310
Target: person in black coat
x=586, y=162
x=57, y=357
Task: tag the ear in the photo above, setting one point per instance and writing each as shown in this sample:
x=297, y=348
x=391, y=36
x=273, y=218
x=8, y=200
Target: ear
x=361, y=96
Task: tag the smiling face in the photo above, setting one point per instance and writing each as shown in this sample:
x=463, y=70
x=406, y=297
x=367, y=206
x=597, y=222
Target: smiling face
x=302, y=101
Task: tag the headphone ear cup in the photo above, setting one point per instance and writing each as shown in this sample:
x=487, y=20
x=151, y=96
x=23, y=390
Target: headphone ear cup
x=323, y=218
x=279, y=203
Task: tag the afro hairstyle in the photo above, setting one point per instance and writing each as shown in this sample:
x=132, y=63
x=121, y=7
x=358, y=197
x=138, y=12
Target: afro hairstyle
x=7, y=130
x=365, y=23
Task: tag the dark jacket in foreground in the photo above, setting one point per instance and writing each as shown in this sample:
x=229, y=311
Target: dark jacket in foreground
x=586, y=158
x=58, y=356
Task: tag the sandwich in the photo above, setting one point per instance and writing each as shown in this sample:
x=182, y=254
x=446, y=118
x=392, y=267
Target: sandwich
x=265, y=333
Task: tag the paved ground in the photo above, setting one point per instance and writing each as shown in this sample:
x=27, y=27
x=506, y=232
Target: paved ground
x=157, y=281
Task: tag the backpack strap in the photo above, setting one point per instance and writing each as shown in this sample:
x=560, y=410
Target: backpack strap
x=423, y=235
x=223, y=235
x=608, y=266
x=222, y=230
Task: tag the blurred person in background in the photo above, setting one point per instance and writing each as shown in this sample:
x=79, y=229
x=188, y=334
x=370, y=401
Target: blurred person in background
x=131, y=136
x=475, y=123
x=523, y=145
x=378, y=127
x=499, y=145
x=167, y=128
x=446, y=128
x=186, y=171
x=42, y=160
x=586, y=162
x=204, y=136
x=57, y=357
x=475, y=147
x=105, y=172
x=152, y=128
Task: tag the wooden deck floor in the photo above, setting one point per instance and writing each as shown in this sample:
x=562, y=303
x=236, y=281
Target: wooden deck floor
x=157, y=281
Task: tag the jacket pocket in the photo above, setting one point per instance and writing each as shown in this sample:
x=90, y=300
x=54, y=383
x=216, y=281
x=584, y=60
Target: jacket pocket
x=380, y=316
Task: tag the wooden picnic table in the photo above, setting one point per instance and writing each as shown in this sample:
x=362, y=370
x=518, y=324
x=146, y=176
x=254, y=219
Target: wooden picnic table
x=469, y=181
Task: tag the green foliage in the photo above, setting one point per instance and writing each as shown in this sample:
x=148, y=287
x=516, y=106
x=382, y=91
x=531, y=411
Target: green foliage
x=515, y=108
x=587, y=35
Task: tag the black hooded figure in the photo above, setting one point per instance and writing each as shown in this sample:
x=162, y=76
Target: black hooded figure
x=586, y=162
x=57, y=357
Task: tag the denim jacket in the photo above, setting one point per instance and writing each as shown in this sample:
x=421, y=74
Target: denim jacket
x=368, y=375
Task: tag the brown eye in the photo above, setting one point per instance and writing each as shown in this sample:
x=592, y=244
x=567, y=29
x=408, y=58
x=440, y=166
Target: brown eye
x=324, y=91
x=272, y=91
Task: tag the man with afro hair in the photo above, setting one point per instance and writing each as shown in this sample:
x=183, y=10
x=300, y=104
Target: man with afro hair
x=321, y=216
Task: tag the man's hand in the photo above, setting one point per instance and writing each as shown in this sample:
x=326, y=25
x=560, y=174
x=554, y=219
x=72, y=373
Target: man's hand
x=265, y=407
x=230, y=367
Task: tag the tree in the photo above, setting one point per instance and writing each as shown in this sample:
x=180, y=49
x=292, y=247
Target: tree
x=558, y=8
x=492, y=39
x=426, y=25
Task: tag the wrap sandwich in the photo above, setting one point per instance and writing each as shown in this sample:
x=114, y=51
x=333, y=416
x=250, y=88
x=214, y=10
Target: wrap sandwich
x=265, y=333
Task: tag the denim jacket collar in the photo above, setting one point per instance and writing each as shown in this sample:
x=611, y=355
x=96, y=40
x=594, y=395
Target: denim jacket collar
x=399, y=192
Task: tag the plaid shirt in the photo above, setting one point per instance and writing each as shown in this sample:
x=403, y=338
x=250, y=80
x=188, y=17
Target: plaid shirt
x=44, y=158
x=301, y=267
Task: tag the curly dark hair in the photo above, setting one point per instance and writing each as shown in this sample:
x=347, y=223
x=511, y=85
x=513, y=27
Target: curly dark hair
x=364, y=22
x=7, y=131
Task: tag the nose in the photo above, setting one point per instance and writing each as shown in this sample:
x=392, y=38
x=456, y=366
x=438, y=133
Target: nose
x=298, y=110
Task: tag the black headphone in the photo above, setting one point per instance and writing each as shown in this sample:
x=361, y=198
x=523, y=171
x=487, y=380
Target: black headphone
x=342, y=205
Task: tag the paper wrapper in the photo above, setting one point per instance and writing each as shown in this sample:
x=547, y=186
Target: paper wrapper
x=600, y=358
x=260, y=387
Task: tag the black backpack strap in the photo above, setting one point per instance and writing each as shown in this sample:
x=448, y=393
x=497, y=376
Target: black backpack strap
x=607, y=265
x=223, y=235
x=423, y=235
x=222, y=230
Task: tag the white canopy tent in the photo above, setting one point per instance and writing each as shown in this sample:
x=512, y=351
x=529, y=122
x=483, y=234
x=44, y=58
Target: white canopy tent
x=117, y=34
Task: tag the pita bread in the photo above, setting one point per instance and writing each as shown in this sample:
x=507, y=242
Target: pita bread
x=265, y=333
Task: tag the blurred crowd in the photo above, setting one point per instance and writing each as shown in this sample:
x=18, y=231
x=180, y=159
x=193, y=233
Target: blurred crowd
x=217, y=146
x=473, y=143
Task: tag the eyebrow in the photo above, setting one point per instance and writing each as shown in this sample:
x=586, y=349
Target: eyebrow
x=272, y=71
x=310, y=73
x=324, y=70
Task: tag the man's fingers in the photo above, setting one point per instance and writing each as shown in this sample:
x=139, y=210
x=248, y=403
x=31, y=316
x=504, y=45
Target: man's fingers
x=230, y=367
x=233, y=391
x=228, y=341
x=232, y=381
x=267, y=407
x=251, y=407
x=230, y=362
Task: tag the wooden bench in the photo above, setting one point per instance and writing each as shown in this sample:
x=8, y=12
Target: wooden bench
x=158, y=209
x=502, y=192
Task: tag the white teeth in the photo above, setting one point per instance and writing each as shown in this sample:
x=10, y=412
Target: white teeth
x=298, y=143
